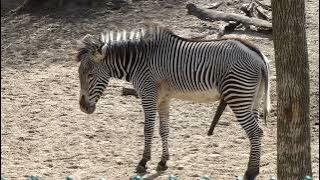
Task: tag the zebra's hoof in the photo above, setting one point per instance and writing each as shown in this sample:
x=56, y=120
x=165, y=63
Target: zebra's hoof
x=162, y=166
x=250, y=174
x=248, y=178
x=141, y=169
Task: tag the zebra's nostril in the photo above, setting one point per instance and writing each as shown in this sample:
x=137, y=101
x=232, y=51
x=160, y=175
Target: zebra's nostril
x=82, y=100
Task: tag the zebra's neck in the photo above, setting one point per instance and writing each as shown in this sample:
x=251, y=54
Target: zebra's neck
x=127, y=52
x=126, y=58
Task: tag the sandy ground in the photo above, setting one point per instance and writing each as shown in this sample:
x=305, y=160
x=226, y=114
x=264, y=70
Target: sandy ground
x=44, y=133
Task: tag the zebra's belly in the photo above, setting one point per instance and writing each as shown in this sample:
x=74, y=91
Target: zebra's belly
x=208, y=96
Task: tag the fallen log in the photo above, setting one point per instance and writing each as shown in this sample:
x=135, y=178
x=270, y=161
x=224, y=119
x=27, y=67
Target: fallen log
x=213, y=15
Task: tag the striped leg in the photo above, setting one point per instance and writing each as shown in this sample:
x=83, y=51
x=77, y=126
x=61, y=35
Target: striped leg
x=250, y=124
x=242, y=102
x=255, y=113
x=150, y=109
x=164, y=133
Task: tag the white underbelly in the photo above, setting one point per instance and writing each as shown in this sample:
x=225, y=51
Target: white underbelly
x=198, y=96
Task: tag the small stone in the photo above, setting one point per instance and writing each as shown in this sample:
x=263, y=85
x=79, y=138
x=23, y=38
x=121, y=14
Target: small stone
x=194, y=175
x=119, y=161
x=180, y=167
x=223, y=123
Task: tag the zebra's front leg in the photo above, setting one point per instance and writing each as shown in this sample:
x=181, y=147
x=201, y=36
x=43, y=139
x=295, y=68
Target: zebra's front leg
x=150, y=109
x=164, y=133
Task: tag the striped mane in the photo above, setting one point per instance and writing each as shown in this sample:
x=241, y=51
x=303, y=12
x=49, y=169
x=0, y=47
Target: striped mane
x=141, y=35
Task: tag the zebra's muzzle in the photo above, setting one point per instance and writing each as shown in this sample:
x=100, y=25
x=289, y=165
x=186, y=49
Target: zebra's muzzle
x=85, y=106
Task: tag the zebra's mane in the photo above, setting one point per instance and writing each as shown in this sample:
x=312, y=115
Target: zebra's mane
x=89, y=44
x=120, y=37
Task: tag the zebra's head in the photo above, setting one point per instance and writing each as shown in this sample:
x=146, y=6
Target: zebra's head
x=94, y=77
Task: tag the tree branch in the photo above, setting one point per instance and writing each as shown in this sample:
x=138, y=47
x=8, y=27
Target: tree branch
x=213, y=15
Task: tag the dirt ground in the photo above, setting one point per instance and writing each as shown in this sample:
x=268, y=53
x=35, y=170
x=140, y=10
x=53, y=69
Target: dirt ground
x=44, y=133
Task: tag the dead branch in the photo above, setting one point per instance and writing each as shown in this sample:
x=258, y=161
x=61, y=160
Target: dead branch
x=247, y=9
x=261, y=14
x=213, y=15
x=264, y=6
x=215, y=5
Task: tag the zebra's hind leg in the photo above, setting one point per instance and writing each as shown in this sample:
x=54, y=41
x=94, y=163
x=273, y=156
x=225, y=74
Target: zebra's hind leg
x=249, y=123
x=256, y=114
x=164, y=133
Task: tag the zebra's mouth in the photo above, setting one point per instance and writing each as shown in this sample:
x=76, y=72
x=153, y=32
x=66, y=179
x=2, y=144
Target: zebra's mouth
x=85, y=107
x=88, y=109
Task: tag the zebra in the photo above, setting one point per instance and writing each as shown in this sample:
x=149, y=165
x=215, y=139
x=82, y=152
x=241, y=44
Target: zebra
x=162, y=65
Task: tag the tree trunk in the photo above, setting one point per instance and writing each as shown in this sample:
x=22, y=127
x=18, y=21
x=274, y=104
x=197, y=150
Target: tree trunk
x=291, y=56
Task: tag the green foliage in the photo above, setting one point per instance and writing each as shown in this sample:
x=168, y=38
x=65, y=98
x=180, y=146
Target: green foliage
x=204, y=178
x=69, y=178
x=172, y=177
x=137, y=178
x=34, y=178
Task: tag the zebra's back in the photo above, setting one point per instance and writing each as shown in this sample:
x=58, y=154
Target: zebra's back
x=193, y=70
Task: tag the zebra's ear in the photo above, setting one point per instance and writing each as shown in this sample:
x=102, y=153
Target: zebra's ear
x=87, y=38
x=83, y=41
x=99, y=54
x=93, y=46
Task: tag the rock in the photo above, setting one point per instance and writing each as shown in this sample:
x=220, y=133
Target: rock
x=119, y=161
x=223, y=123
x=194, y=175
x=180, y=167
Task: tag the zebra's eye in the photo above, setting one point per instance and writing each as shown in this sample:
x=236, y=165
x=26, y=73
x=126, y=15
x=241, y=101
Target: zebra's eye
x=90, y=75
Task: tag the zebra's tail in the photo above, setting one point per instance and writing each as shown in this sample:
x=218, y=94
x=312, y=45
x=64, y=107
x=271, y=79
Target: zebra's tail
x=267, y=105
